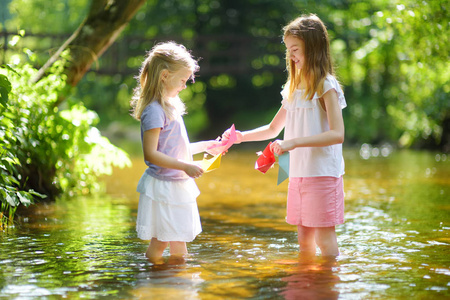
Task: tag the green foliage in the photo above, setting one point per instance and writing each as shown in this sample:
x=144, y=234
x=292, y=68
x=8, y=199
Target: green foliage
x=394, y=60
x=47, y=16
x=48, y=150
x=391, y=56
x=420, y=36
x=11, y=193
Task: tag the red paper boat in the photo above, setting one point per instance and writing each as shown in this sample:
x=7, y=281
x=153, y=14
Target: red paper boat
x=265, y=160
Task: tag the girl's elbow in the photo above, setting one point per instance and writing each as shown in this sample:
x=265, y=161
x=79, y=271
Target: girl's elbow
x=274, y=131
x=150, y=157
x=339, y=138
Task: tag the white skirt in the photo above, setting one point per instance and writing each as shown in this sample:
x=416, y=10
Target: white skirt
x=168, y=210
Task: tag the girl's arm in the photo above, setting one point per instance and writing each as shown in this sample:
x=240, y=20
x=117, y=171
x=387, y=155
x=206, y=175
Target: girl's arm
x=151, y=154
x=265, y=132
x=333, y=136
x=198, y=147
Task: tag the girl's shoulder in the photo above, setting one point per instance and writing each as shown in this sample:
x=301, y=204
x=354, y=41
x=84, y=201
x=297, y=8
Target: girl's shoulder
x=330, y=83
x=153, y=106
x=152, y=109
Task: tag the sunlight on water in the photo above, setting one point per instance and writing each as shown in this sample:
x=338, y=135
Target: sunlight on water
x=394, y=245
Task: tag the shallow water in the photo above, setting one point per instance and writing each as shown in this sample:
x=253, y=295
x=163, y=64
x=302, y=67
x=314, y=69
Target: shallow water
x=395, y=243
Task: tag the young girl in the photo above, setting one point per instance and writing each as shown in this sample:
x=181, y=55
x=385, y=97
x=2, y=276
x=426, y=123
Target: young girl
x=167, y=211
x=314, y=132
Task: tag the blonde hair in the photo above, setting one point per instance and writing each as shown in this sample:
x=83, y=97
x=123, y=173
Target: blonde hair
x=311, y=30
x=163, y=56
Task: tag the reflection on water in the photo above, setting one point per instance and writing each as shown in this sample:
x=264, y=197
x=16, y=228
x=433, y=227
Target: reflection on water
x=312, y=278
x=394, y=244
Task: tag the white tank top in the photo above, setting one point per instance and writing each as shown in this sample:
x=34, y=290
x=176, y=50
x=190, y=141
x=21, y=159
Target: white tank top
x=306, y=118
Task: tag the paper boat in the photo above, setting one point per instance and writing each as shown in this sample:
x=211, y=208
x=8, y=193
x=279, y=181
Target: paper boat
x=225, y=144
x=210, y=164
x=265, y=160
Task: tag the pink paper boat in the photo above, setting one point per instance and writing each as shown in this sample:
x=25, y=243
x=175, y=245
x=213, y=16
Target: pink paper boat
x=225, y=144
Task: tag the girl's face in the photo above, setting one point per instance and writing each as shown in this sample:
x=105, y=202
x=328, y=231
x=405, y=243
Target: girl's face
x=176, y=82
x=296, y=50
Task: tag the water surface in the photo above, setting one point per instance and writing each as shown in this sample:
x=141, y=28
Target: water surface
x=395, y=243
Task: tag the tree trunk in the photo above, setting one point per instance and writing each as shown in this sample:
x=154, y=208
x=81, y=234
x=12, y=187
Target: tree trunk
x=104, y=23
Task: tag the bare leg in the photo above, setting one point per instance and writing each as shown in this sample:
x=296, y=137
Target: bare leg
x=178, y=248
x=306, y=240
x=327, y=241
x=177, y=252
x=155, y=251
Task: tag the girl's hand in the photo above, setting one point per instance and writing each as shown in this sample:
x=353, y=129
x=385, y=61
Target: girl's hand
x=279, y=147
x=210, y=147
x=226, y=136
x=275, y=147
x=193, y=170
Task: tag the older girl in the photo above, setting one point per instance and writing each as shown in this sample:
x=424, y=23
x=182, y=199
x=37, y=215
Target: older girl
x=311, y=114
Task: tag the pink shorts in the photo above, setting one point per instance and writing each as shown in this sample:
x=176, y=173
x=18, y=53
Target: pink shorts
x=315, y=201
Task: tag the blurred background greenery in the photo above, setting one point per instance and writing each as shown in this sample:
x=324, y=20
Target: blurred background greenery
x=392, y=57
x=58, y=134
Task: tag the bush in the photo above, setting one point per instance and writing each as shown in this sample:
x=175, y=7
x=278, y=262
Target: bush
x=47, y=151
x=11, y=192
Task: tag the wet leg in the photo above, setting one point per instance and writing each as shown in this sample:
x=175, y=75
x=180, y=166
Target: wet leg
x=155, y=251
x=178, y=248
x=177, y=252
x=306, y=240
x=327, y=241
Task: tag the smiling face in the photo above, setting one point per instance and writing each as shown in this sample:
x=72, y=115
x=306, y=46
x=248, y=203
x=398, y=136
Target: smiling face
x=176, y=82
x=296, y=50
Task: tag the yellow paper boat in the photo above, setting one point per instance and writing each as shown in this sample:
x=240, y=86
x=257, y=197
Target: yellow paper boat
x=210, y=164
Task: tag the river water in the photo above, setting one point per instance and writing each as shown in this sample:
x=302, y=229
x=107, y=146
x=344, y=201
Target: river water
x=395, y=243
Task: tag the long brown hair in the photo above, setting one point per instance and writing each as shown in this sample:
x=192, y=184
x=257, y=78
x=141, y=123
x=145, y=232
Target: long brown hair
x=164, y=56
x=318, y=64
